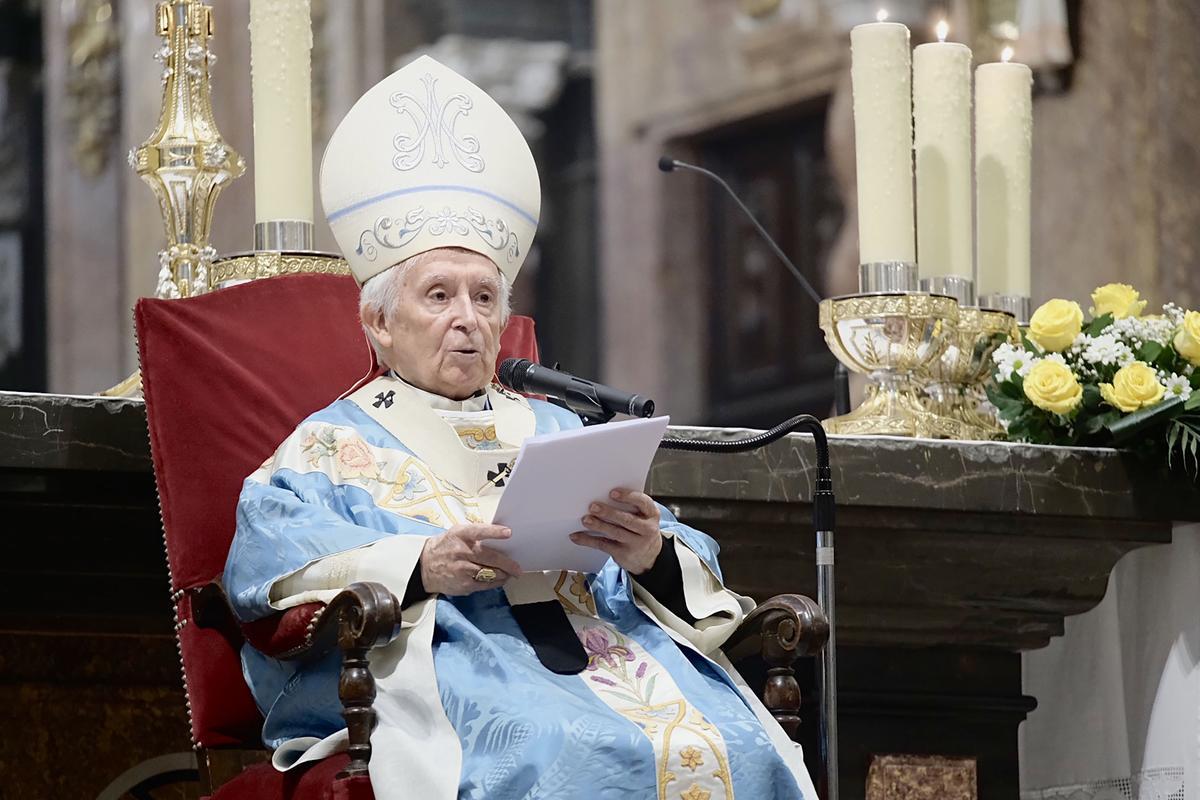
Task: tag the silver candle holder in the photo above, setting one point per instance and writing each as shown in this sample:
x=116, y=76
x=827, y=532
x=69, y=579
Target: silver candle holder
x=1020, y=306
x=956, y=286
x=283, y=235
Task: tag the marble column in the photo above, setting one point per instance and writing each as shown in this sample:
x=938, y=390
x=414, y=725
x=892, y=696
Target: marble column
x=87, y=319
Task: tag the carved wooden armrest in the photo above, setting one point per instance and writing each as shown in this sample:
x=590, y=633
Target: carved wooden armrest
x=362, y=616
x=781, y=630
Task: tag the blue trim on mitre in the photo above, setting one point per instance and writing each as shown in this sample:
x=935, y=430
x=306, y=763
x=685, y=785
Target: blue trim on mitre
x=379, y=198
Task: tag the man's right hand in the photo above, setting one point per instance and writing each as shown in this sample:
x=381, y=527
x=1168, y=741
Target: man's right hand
x=451, y=560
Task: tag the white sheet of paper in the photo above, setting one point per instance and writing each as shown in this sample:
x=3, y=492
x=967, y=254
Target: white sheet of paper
x=557, y=475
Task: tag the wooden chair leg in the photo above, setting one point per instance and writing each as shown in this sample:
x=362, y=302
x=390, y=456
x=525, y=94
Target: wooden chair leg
x=367, y=616
x=781, y=693
x=356, y=689
x=781, y=630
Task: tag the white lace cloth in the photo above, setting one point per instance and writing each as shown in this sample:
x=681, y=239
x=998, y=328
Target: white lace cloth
x=1118, y=714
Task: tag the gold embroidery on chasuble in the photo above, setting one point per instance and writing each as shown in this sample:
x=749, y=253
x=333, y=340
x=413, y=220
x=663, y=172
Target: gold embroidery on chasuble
x=692, y=762
x=435, y=478
x=464, y=455
x=395, y=480
x=574, y=594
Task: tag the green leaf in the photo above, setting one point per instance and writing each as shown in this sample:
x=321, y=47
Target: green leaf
x=1193, y=402
x=1093, y=425
x=1131, y=425
x=1184, y=437
x=1173, y=434
x=1097, y=326
x=1091, y=396
x=1149, y=352
x=1014, y=387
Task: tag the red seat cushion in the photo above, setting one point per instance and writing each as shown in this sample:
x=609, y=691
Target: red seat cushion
x=316, y=782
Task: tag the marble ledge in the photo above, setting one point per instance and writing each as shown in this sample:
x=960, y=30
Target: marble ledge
x=50, y=432
x=71, y=432
x=896, y=472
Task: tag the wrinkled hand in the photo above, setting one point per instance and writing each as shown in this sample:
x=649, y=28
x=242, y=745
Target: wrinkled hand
x=449, y=561
x=631, y=538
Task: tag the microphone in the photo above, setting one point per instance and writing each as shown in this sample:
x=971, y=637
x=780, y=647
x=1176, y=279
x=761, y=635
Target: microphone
x=667, y=164
x=595, y=402
x=841, y=376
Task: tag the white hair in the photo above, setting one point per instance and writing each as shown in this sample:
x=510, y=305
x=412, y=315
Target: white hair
x=380, y=294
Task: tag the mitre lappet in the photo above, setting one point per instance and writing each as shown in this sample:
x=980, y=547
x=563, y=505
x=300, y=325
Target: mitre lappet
x=426, y=159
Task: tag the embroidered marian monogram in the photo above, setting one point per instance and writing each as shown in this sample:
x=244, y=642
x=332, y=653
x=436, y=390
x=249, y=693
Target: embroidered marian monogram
x=434, y=124
x=384, y=399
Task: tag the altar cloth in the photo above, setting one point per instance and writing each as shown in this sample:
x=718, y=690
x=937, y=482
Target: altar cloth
x=1118, y=714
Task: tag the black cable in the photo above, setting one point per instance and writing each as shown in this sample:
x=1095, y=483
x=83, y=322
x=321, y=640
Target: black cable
x=823, y=498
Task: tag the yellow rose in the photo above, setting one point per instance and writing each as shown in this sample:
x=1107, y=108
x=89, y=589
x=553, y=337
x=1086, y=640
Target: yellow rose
x=1134, y=386
x=1187, y=340
x=1052, y=386
x=1055, y=325
x=1119, y=299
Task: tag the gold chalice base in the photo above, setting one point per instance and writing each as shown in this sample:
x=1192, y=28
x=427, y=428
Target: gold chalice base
x=898, y=412
x=953, y=385
x=890, y=337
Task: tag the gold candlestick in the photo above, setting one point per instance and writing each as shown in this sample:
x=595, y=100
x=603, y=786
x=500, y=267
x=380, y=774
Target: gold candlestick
x=185, y=161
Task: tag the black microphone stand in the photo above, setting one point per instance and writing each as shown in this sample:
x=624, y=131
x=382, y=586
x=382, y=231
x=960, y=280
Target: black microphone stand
x=823, y=523
x=823, y=500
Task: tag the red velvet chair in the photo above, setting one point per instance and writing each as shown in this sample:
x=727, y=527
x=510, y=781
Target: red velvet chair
x=227, y=376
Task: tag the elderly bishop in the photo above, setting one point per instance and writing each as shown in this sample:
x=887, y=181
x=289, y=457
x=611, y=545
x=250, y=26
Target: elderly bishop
x=499, y=684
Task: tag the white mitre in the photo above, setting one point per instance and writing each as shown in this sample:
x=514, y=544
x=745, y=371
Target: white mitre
x=426, y=159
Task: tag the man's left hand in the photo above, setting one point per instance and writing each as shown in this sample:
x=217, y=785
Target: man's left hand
x=631, y=538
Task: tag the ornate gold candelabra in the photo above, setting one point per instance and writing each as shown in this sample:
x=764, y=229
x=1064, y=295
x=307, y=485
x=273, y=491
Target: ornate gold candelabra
x=185, y=162
x=890, y=333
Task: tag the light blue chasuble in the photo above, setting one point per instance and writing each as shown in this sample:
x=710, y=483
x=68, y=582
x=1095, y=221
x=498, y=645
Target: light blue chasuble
x=649, y=717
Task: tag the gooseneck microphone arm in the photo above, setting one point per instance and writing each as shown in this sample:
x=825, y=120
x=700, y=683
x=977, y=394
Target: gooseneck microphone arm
x=841, y=376
x=671, y=164
x=823, y=500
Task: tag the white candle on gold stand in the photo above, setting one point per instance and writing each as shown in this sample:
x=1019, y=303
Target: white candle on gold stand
x=942, y=132
x=281, y=86
x=1003, y=146
x=881, y=73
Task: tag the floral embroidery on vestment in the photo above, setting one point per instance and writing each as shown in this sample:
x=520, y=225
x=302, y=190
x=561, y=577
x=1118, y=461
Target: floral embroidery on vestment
x=634, y=684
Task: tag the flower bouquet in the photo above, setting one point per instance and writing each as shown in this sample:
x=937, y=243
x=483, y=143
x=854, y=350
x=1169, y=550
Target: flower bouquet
x=1119, y=379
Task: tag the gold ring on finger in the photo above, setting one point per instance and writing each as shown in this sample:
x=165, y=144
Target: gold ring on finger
x=485, y=575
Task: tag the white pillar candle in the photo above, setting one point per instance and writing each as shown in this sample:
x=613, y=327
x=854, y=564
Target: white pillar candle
x=942, y=132
x=1003, y=145
x=882, y=78
x=281, y=87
